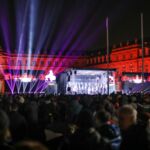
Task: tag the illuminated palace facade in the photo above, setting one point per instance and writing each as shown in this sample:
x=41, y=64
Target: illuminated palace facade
x=124, y=58
x=12, y=64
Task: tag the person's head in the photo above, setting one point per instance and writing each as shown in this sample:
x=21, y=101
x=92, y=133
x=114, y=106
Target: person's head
x=4, y=126
x=102, y=117
x=127, y=116
x=85, y=119
x=146, y=99
x=21, y=100
x=14, y=107
x=30, y=145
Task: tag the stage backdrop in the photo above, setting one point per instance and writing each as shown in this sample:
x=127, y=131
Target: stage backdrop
x=86, y=81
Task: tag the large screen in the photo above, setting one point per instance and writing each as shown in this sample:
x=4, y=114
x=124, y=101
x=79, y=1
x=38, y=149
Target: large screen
x=90, y=82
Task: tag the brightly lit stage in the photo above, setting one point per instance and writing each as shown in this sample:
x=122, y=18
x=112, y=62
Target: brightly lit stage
x=86, y=81
x=71, y=81
x=30, y=81
x=132, y=82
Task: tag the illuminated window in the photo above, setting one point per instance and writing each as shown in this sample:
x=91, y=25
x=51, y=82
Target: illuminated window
x=123, y=57
x=131, y=56
x=102, y=58
x=42, y=63
x=146, y=51
x=56, y=63
x=63, y=63
x=12, y=62
x=26, y=62
x=95, y=60
x=140, y=52
x=19, y=63
x=33, y=63
x=48, y=63
x=117, y=58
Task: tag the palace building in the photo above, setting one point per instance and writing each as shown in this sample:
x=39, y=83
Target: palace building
x=127, y=57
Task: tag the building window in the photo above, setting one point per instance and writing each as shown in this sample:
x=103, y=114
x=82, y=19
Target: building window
x=123, y=57
x=12, y=62
x=124, y=68
x=146, y=70
x=102, y=59
x=140, y=53
x=33, y=63
x=63, y=64
x=87, y=61
x=146, y=51
x=48, y=63
x=116, y=58
x=131, y=56
x=56, y=63
x=42, y=63
x=95, y=60
x=19, y=63
x=91, y=61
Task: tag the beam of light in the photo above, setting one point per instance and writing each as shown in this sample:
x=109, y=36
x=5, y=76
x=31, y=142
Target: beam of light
x=84, y=34
x=10, y=82
x=89, y=39
x=54, y=25
x=5, y=26
x=44, y=83
x=49, y=78
x=38, y=61
x=13, y=85
x=6, y=79
x=18, y=85
x=24, y=86
x=44, y=87
x=48, y=24
x=39, y=85
x=25, y=80
x=21, y=20
x=32, y=21
x=71, y=33
x=34, y=5
x=32, y=85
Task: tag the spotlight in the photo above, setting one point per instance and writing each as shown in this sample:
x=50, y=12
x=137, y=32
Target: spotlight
x=50, y=76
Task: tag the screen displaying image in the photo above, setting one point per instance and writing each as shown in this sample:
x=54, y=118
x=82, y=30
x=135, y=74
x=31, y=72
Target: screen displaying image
x=90, y=82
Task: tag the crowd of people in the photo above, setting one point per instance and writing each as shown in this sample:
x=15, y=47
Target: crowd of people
x=71, y=122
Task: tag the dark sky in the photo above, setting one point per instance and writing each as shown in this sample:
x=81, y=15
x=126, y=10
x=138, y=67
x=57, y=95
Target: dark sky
x=57, y=26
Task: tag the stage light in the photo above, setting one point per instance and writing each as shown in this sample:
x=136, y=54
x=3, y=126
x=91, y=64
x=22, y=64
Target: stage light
x=50, y=77
x=25, y=79
x=137, y=79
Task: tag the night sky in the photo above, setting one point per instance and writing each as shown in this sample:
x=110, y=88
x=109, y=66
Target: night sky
x=67, y=26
